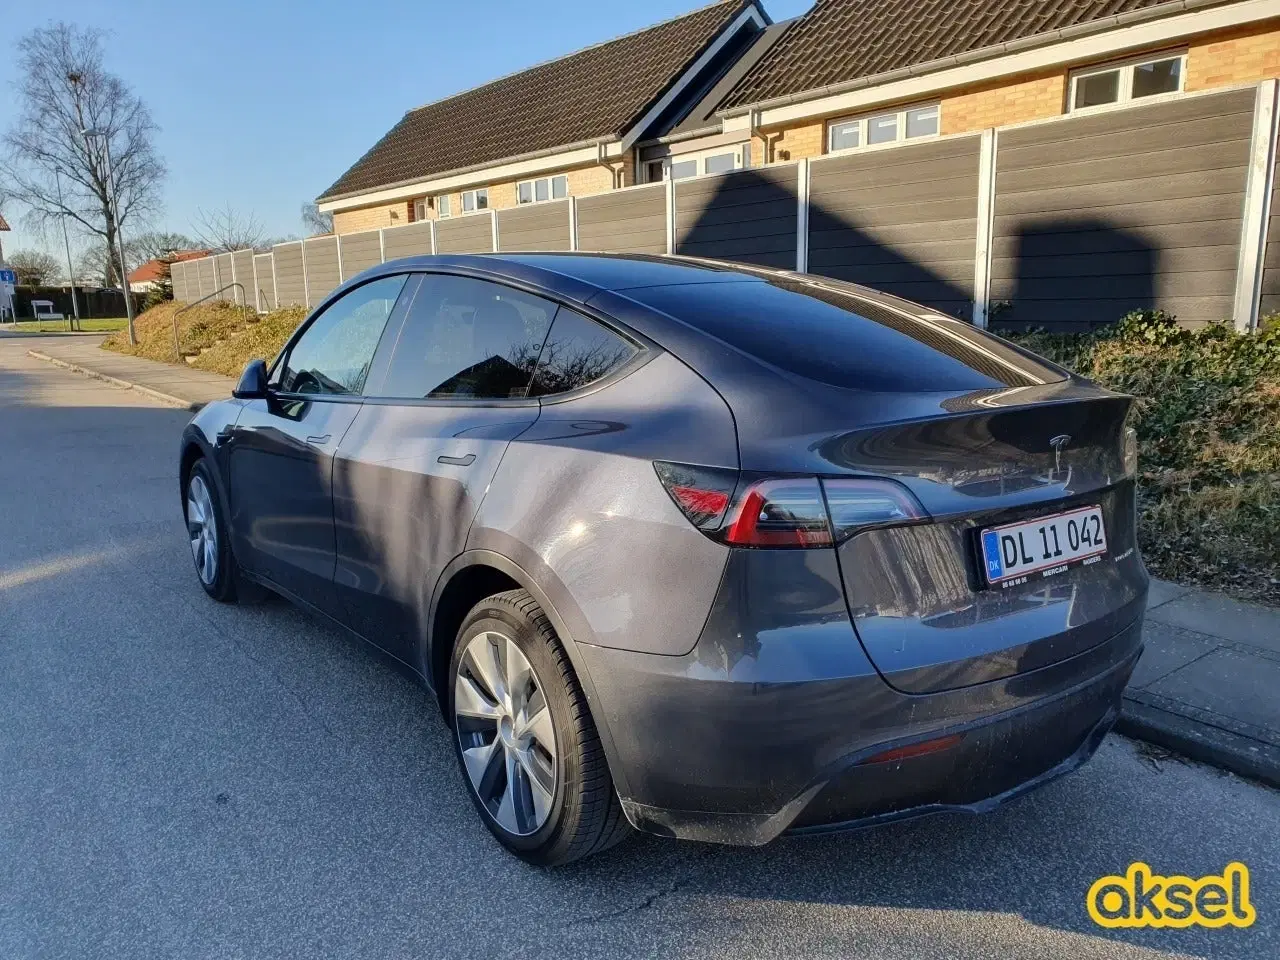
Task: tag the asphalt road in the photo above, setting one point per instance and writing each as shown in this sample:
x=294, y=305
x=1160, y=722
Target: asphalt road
x=183, y=779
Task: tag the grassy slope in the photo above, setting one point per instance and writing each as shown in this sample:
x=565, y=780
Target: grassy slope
x=1209, y=440
x=229, y=337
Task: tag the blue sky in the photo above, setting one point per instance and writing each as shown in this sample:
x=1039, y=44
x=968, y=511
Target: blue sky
x=264, y=104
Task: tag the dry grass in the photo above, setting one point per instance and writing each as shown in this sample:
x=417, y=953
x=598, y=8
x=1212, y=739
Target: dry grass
x=261, y=340
x=228, y=336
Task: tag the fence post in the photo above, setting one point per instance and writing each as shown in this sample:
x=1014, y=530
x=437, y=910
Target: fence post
x=382, y=246
x=235, y=280
x=257, y=290
x=573, y=223
x=306, y=287
x=434, y=249
x=671, y=215
x=986, y=224
x=275, y=282
x=494, y=215
x=802, y=216
x=1257, y=210
x=337, y=243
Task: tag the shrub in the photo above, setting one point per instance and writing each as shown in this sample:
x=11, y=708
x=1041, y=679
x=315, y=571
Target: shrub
x=1208, y=422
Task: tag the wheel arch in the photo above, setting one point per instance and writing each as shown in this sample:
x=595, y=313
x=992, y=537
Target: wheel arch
x=458, y=591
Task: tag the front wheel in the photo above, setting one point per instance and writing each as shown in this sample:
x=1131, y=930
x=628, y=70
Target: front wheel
x=210, y=539
x=526, y=743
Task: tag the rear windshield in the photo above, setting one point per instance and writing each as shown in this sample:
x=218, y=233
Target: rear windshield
x=822, y=332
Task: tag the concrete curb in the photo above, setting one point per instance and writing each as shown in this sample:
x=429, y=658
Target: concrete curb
x=166, y=398
x=1201, y=742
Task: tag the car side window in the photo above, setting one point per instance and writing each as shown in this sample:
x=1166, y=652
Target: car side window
x=465, y=338
x=334, y=353
x=578, y=352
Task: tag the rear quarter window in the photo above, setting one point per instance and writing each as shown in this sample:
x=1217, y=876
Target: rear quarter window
x=578, y=352
x=821, y=332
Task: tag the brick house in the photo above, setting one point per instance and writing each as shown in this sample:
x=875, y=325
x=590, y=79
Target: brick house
x=723, y=88
x=562, y=128
x=851, y=74
x=1050, y=163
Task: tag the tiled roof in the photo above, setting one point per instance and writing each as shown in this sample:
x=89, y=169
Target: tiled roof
x=595, y=93
x=154, y=269
x=843, y=40
x=4, y=224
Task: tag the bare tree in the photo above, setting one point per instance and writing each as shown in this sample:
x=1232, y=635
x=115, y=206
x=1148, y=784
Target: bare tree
x=91, y=264
x=52, y=167
x=156, y=245
x=228, y=229
x=35, y=267
x=315, y=223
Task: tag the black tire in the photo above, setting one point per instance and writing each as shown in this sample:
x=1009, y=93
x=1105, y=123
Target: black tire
x=585, y=815
x=228, y=584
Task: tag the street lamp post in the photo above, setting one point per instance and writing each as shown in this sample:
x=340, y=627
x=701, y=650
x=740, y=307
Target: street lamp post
x=89, y=134
x=66, y=243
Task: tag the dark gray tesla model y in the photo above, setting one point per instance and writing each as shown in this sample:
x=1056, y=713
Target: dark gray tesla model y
x=707, y=550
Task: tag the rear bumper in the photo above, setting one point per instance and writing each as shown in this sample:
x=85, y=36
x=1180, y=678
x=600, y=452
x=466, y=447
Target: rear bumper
x=754, y=734
x=996, y=761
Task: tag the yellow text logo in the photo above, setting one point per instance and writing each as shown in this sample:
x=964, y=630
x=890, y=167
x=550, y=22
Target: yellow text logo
x=1144, y=899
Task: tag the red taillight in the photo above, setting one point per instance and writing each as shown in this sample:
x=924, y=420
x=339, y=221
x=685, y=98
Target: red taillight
x=701, y=493
x=783, y=511
x=700, y=502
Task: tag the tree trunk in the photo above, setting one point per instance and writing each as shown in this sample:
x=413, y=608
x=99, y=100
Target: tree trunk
x=112, y=273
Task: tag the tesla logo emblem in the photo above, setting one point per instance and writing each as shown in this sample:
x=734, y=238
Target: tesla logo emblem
x=1059, y=443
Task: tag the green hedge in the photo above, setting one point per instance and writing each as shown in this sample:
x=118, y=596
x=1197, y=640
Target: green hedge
x=1208, y=422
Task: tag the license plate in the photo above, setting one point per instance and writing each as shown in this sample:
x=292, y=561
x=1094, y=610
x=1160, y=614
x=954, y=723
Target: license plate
x=1046, y=545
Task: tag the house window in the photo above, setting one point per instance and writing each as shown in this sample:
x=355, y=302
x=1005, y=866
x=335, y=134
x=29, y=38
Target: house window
x=717, y=160
x=720, y=162
x=539, y=191
x=679, y=169
x=909, y=124
x=442, y=205
x=420, y=209
x=1123, y=82
x=473, y=200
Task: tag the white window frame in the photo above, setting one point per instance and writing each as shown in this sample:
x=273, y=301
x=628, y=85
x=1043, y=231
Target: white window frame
x=475, y=196
x=550, y=181
x=420, y=209
x=1124, y=89
x=741, y=160
x=863, y=121
x=444, y=206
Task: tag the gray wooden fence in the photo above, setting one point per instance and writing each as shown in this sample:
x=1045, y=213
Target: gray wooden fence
x=1064, y=223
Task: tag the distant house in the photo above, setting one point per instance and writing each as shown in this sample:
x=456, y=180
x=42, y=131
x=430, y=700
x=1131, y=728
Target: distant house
x=146, y=276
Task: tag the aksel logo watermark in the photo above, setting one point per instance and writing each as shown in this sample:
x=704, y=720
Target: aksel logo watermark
x=1144, y=899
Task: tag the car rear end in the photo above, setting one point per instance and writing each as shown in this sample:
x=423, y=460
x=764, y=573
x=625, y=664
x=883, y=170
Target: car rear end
x=933, y=593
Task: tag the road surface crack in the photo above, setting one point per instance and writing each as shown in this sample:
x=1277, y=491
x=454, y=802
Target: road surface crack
x=639, y=906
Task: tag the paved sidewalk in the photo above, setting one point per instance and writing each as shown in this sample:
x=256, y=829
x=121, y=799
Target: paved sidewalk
x=178, y=386
x=1207, y=687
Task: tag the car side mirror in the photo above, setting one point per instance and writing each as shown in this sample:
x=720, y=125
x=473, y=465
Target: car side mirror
x=253, y=382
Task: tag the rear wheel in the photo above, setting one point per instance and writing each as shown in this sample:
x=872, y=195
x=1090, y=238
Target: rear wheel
x=526, y=743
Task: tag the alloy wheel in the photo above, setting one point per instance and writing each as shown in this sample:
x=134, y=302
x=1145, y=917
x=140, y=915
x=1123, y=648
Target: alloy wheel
x=506, y=733
x=203, y=529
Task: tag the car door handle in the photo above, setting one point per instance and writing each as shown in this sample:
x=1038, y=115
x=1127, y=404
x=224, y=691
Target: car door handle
x=466, y=461
x=319, y=441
